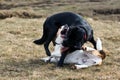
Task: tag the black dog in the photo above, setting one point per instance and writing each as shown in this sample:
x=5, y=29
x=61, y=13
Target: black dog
x=54, y=22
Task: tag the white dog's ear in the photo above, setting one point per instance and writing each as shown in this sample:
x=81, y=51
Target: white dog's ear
x=99, y=44
x=66, y=25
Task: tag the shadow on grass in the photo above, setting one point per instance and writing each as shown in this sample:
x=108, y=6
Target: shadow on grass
x=12, y=68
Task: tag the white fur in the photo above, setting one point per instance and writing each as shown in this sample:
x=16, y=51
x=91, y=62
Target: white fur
x=99, y=44
x=59, y=40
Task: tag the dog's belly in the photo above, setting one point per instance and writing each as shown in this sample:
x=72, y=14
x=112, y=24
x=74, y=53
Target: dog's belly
x=77, y=57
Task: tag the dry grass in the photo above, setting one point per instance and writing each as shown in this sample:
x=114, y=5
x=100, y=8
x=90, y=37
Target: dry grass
x=20, y=58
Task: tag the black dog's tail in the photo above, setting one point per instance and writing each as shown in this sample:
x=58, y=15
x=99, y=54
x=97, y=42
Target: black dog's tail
x=43, y=39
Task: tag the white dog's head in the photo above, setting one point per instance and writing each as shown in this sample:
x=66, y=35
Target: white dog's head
x=62, y=32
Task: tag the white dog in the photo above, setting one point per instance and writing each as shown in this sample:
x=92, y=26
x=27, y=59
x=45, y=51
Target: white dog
x=81, y=58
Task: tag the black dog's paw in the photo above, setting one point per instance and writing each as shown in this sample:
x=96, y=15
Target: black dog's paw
x=59, y=65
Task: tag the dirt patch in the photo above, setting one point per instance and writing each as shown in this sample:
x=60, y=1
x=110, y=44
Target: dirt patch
x=22, y=14
x=14, y=32
x=107, y=14
x=107, y=11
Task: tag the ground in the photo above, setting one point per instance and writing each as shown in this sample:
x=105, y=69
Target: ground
x=21, y=23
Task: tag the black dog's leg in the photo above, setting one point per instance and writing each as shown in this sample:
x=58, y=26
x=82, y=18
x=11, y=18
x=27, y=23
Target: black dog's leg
x=53, y=41
x=64, y=54
x=46, y=45
x=92, y=40
x=51, y=36
x=61, y=61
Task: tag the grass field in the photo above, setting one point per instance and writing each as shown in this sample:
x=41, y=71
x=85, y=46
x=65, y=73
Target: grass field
x=21, y=23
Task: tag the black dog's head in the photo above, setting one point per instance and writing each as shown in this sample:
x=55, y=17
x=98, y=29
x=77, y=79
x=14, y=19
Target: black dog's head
x=75, y=38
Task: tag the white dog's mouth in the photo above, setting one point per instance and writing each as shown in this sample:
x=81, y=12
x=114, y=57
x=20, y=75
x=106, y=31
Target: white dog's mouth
x=62, y=36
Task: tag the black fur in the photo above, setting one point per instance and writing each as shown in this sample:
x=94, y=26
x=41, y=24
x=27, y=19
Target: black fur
x=54, y=22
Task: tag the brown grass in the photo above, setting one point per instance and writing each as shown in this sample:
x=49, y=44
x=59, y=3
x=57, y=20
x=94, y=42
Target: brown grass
x=20, y=58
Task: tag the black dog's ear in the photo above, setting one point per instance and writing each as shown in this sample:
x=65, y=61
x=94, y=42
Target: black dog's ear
x=75, y=28
x=57, y=24
x=72, y=30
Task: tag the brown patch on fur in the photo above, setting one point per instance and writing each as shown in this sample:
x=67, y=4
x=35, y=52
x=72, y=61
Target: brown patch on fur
x=84, y=48
x=103, y=54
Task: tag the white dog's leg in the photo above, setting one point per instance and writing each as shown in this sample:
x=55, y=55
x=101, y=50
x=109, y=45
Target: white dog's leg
x=77, y=66
x=46, y=59
x=99, y=44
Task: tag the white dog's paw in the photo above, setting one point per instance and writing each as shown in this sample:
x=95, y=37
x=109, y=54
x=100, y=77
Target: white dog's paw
x=46, y=59
x=80, y=66
x=99, y=44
